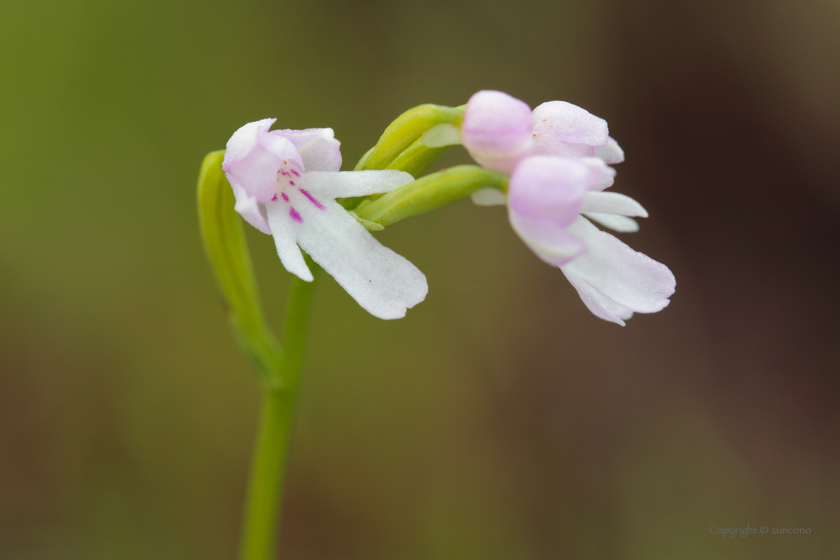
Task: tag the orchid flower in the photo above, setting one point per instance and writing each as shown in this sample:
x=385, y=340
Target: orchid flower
x=557, y=159
x=285, y=183
x=548, y=199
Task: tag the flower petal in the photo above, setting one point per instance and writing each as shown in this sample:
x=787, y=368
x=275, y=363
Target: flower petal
x=612, y=203
x=610, y=152
x=496, y=130
x=254, y=156
x=285, y=240
x=600, y=305
x=318, y=147
x=244, y=140
x=621, y=224
x=381, y=281
x=550, y=188
x=548, y=240
x=248, y=207
x=343, y=184
x=601, y=175
x=489, y=197
x=614, y=271
x=547, y=145
x=570, y=123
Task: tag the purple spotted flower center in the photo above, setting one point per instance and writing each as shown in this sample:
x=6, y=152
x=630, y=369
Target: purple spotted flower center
x=286, y=177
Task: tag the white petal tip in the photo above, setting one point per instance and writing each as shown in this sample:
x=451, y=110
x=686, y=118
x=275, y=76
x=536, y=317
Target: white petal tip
x=612, y=203
x=621, y=224
x=306, y=277
x=395, y=300
x=611, y=152
x=613, y=280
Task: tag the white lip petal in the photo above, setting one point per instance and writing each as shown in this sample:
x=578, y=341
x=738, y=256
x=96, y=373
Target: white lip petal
x=622, y=224
x=600, y=305
x=344, y=184
x=282, y=229
x=618, y=273
x=552, y=243
x=384, y=283
x=612, y=203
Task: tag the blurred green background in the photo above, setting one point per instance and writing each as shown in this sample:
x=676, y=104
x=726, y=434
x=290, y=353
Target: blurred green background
x=499, y=419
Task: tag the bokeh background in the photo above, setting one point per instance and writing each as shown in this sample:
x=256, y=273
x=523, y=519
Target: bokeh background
x=499, y=419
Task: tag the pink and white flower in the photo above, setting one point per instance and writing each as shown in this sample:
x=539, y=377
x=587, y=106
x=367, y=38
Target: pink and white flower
x=549, y=199
x=285, y=183
x=557, y=159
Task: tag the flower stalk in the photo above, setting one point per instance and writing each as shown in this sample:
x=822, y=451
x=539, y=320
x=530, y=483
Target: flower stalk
x=279, y=366
x=265, y=492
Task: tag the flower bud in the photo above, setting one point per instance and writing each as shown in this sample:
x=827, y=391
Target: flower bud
x=497, y=130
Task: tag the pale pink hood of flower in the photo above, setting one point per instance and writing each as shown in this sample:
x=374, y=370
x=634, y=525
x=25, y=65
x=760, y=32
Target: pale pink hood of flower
x=563, y=129
x=497, y=130
x=544, y=197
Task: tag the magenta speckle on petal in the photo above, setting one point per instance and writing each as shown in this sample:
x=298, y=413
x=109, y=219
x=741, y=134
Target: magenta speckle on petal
x=295, y=216
x=274, y=198
x=292, y=183
x=295, y=173
x=285, y=197
x=312, y=199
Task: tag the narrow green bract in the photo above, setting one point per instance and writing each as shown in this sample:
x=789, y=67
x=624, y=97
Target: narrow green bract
x=405, y=131
x=429, y=193
x=417, y=158
x=400, y=147
x=227, y=251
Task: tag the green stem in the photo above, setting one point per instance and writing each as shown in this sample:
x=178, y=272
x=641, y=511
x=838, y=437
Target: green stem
x=262, y=512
